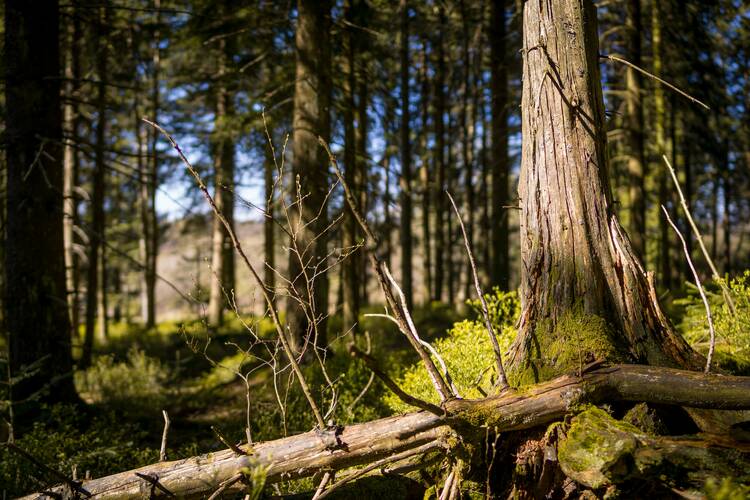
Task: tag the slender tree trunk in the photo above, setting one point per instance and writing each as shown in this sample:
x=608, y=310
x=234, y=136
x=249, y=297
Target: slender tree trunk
x=269, y=243
x=584, y=293
x=636, y=164
x=451, y=182
x=95, y=305
x=440, y=207
x=222, y=256
x=726, y=216
x=35, y=315
x=661, y=145
x=467, y=144
x=499, y=154
x=406, y=174
x=360, y=179
x=310, y=165
x=70, y=170
x=351, y=266
x=424, y=179
x=688, y=197
x=153, y=247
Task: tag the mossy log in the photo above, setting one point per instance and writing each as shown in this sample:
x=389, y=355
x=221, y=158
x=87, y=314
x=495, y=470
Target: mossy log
x=599, y=451
x=335, y=449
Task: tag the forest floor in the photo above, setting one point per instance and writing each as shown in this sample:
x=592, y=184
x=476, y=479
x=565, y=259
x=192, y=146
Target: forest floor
x=196, y=375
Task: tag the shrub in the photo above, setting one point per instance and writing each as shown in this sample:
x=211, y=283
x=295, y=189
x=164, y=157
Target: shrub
x=467, y=352
x=139, y=381
x=732, y=330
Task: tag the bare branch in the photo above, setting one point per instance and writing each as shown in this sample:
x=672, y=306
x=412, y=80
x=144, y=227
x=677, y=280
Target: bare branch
x=502, y=379
x=253, y=272
x=164, y=434
x=715, y=274
x=700, y=290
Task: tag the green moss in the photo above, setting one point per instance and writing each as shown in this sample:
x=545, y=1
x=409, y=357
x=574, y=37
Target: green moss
x=726, y=489
x=597, y=447
x=645, y=419
x=575, y=339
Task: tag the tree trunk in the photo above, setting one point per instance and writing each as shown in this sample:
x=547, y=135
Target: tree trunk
x=222, y=256
x=424, y=179
x=636, y=173
x=310, y=165
x=269, y=242
x=406, y=174
x=360, y=177
x=150, y=272
x=95, y=300
x=440, y=207
x=499, y=156
x=351, y=266
x=70, y=170
x=584, y=294
x=36, y=315
x=467, y=144
x=660, y=117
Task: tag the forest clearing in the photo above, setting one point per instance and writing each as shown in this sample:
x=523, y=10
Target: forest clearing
x=362, y=249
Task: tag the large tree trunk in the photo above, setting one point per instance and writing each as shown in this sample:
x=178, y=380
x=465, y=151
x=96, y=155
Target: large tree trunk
x=406, y=173
x=421, y=432
x=584, y=293
x=499, y=157
x=467, y=142
x=310, y=165
x=36, y=316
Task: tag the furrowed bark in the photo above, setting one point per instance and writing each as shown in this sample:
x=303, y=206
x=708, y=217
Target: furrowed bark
x=305, y=454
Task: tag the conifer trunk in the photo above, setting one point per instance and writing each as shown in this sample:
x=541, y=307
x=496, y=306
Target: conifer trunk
x=440, y=207
x=35, y=311
x=310, y=165
x=584, y=293
x=636, y=173
x=499, y=155
x=406, y=174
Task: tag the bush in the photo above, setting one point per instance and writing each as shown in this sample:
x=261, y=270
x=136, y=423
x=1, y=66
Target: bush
x=467, y=352
x=732, y=330
x=137, y=382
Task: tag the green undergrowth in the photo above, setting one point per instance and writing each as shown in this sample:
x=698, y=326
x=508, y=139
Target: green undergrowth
x=95, y=443
x=467, y=352
x=732, y=330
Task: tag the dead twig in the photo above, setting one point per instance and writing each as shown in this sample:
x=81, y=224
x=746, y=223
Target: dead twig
x=163, y=449
x=425, y=448
x=651, y=75
x=380, y=268
x=502, y=380
x=236, y=449
x=711, y=330
x=374, y=366
x=74, y=485
x=715, y=274
x=258, y=280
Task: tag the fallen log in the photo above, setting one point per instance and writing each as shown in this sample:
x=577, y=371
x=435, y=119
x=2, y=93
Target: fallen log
x=343, y=447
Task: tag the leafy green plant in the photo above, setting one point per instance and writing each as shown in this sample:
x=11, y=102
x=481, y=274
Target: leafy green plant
x=467, y=352
x=732, y=329
x=139, y=381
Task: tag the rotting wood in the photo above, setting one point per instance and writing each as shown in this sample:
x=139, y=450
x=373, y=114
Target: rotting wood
x=305, y=454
